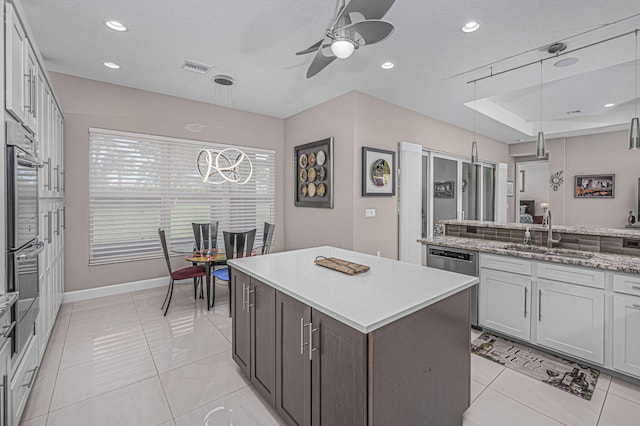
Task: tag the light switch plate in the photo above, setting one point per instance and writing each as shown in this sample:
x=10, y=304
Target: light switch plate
x=370, y=213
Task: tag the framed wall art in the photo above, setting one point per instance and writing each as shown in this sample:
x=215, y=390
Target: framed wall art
x=443, y=189
x=595, y=186
x=378, y=172
x=314, y=174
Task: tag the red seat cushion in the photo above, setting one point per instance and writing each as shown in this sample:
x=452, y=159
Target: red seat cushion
x=190, y=272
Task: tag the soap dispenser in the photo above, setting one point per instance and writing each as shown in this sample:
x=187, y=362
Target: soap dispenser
x=527, y=237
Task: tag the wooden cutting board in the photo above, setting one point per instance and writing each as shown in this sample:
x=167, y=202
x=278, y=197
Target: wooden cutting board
x=341, y=265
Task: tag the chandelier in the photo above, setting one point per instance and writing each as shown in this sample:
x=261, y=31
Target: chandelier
x=228, y=165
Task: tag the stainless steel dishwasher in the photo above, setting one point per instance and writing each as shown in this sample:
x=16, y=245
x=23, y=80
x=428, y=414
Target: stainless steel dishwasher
x=460, y=261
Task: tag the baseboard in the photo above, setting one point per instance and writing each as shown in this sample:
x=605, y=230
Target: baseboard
x=91, y=293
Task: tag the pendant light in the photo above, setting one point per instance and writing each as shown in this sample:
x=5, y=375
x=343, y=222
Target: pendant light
x=541, y=150
x=634, y=131
x=474, y=144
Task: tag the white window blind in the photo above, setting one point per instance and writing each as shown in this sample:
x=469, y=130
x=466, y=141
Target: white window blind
x=139, y=183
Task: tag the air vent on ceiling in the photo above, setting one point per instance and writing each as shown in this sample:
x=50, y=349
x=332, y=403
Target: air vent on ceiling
x=195, y=67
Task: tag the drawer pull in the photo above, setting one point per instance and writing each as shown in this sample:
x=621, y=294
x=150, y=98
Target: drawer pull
x=635, y=287
x=33, y=377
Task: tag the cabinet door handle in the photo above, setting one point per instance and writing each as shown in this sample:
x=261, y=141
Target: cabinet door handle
x=302, y=343
x=57, y=221
x=64, y=180
x=311, y=348
x=32, y=378
x=48, y=224
x=29, y=98
x=539, y=305
x=525, y=302
x=57, y=187
x=249, y=304
x=34, y=82
x=636, y=287
x=49, y=177
x=244, y=296
x=64, y=218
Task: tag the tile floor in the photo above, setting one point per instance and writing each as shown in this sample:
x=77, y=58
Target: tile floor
x=116, y=361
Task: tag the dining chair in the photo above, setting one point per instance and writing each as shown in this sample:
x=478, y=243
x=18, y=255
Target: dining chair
x=194, y=272
x=267, y=237
x=236, y=245
x=201, y=230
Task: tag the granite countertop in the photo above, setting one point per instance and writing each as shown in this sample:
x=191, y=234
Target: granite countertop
x=607, y=261
x=389, y=291
x=606, y=232
x=6, y=301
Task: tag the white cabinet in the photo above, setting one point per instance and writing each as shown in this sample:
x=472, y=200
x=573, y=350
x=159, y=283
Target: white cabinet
x=23, y=380
x=21, y=72
x=505, y=302
x=570, y=319
x=16, y=87
x=626, y=323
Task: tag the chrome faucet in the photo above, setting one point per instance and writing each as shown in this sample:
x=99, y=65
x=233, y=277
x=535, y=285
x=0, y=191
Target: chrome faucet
x=550, y=240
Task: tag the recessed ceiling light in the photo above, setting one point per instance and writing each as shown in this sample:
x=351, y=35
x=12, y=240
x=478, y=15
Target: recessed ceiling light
x=566, y=62
x=470, y=27
x=609, y=105
x=112, y=65
x=387, y=65
x=115, y=25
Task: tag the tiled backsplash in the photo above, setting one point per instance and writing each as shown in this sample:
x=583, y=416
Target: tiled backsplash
x=595, y=243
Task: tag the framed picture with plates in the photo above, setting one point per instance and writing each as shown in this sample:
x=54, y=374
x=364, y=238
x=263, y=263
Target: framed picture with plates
x=378, y=172
x=314, y=174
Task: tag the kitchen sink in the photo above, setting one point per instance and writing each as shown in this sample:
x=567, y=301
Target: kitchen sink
x=550, y=251
x=527, y=249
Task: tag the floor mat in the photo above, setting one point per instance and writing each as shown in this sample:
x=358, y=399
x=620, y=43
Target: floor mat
x=560, y=373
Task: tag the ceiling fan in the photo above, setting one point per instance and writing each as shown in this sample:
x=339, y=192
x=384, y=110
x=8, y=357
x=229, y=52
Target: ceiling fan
x=343, y=35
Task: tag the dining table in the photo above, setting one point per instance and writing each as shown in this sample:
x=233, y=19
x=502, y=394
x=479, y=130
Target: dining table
x=210, y=259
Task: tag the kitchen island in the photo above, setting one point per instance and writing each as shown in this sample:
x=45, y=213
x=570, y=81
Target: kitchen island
x=389, y=346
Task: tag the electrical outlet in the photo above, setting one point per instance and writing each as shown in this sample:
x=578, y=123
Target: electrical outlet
x=370, y=213
x=378, y=253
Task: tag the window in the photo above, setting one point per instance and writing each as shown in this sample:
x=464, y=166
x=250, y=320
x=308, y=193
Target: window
x=139, y=183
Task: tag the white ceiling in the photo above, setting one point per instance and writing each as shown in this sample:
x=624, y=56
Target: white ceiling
x=254, y=41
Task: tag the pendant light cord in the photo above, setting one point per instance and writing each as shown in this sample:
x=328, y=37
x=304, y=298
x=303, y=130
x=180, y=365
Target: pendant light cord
x=475, y=111
x=635, y=104
x=541, y=95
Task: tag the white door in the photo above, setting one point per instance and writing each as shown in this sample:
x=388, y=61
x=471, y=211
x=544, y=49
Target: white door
x=626, y=334
x=505, y=303
x=571, y=319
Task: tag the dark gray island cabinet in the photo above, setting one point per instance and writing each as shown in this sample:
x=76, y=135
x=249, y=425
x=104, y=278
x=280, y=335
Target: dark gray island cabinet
x=398, y=354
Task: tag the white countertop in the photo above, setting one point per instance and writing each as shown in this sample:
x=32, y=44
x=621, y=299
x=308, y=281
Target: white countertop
x=388, y=291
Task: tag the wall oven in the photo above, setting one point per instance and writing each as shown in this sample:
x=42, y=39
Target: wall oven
x=23, y=243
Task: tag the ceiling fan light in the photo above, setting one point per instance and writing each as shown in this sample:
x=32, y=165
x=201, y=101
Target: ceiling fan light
x=634, y=134
x=342, y=48
x=541, y=150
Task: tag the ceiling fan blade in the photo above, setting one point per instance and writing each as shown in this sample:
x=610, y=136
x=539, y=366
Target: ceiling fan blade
x=370, y=9
x=372, y=31
x=320, y=61
x=310, y=49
